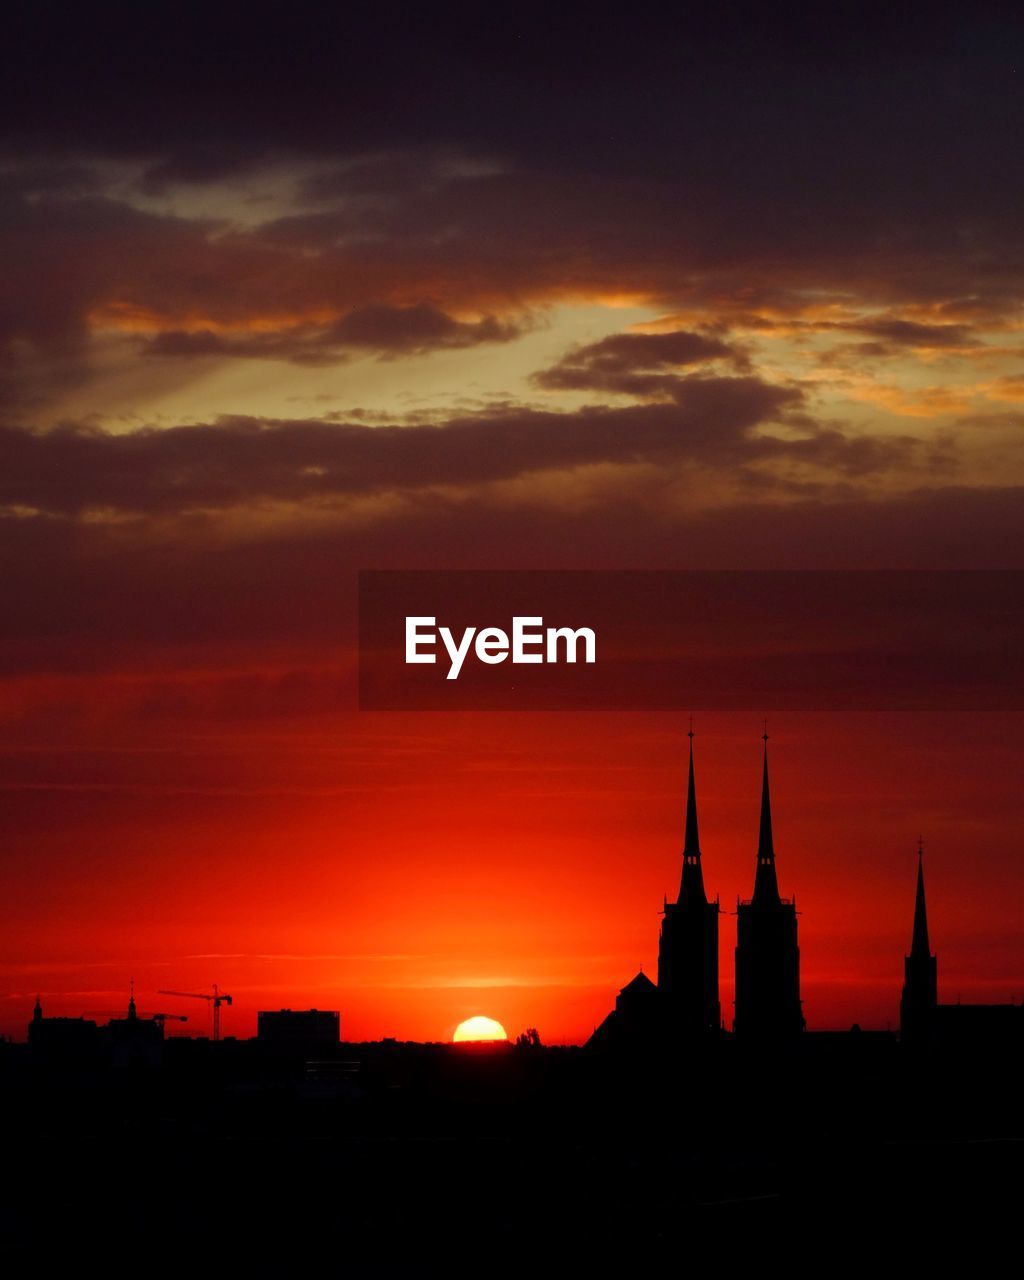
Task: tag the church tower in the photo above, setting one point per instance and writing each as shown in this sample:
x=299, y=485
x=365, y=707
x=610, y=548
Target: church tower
x=920, y=972
x=688, y=947
x=768, y=1004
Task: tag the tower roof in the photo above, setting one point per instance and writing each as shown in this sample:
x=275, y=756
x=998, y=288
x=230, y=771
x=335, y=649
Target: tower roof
x=766, y=884
x=691, y=887
x=639, y=983
x=919, y=942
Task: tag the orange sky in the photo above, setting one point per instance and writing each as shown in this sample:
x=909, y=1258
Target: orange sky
x=726, y=288
x=414, y=870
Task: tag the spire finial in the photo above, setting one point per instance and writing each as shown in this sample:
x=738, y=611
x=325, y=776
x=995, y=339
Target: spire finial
x=766, y=887
x=764, y=736
x=919, y=942
x=691, y=888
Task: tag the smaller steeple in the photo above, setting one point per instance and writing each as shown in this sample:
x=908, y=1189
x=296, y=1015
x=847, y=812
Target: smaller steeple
x=37, y=1012
x=919, y=943
x=766, y=884
x=132, y=1013
x=920, y=971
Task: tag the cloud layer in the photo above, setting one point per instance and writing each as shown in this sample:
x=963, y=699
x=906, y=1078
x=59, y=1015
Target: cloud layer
x=751, y=276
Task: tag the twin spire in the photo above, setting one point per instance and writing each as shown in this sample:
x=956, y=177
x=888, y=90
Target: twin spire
x=766, y=885
x=691, y=889
x=919, y=942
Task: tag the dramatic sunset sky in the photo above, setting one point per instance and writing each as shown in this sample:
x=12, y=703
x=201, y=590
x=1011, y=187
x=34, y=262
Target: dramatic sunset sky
x=291, y=290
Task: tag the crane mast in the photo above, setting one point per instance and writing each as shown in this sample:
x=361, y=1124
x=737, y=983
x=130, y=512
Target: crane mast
x=216, y=1000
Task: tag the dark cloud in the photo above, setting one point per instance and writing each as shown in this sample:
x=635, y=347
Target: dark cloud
x=244, y=461
x=419, y=328
x=910, y=333
x=405, y=261
x=384, y=330
x=634, y=363
x=501, y=234
x=63, y=259
x=761, y=167
x=242, y=464
x=533, y=80
x=725, y=156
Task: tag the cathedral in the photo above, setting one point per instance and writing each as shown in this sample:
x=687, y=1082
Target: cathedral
x=684, y=1006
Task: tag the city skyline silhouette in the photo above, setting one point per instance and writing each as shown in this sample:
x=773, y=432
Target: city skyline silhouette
x=685, y=1000
x=777, y=1124
x=692, y=329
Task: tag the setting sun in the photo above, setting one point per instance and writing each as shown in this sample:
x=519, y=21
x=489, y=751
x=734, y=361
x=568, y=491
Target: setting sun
x=477, y=1029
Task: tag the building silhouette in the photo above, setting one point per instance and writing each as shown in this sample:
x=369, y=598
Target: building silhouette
x=128, y=1042
x=958, y=1028
x=132, y=1042
x=679, y=1012
x=639, y=1020
x=920, y=972
x=298, y=1028
x=61, y=1040
x=768, y=1004
x=684, y=1006
x=688, y=946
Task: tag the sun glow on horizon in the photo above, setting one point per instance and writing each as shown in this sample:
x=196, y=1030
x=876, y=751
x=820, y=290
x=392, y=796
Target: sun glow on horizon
x=477, y=1029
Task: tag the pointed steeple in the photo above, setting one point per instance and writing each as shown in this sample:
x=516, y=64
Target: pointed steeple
x=132, y=1013
x=920, y=971
x=688, y=943
x=37, y=1012
x=691, y=843
x=691, y=888
x=766, y=884
x=919, y=942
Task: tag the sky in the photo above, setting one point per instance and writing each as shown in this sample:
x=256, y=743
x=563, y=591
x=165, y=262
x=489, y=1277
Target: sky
x=291, y=291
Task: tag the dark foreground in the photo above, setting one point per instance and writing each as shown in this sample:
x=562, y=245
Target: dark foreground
x=430, y=1160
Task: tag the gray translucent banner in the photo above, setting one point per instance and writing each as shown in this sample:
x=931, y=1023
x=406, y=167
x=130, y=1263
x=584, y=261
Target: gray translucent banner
x=744, y=640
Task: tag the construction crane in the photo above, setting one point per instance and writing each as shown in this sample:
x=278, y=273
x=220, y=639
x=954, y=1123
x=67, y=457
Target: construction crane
x=163, y=1018
x=217, y=999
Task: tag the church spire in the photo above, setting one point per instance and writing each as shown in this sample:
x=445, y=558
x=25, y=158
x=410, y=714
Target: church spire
x=920, y=972
x=691, y=888
x=688, y=945
x=919, y=941
x=766, y=884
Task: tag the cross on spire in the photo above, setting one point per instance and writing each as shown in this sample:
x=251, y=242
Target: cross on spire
x=919, y=942
x=691, y=887
x=766, y=884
